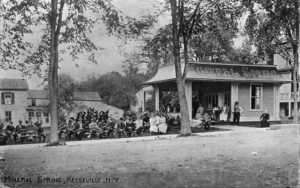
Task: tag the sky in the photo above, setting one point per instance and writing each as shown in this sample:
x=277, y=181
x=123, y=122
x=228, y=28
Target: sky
x=111, y=57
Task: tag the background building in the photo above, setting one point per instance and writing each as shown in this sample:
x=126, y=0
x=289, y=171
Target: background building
x=18, y=102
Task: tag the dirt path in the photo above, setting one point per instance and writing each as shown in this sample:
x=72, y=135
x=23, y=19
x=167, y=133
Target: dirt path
x=246, y=159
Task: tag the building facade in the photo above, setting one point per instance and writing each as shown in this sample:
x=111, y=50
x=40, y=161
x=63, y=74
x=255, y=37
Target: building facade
x=18, y=102
x=14, y=94
x=287, y=89
x=255, y=87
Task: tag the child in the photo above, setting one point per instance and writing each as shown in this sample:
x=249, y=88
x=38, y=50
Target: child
x=206, y=121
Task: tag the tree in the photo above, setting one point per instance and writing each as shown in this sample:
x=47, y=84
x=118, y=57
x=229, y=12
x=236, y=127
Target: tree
x=64, y=23
x=191, y=18
x=273, y=25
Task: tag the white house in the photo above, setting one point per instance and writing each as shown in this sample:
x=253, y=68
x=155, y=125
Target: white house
x=18, y=102
x=14, y=94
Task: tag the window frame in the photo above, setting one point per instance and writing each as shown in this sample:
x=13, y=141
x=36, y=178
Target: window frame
x=10, y=118
x=261, y=97
x=33, y=102
x=12, y=98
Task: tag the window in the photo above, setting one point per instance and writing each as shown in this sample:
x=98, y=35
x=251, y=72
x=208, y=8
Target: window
x=46, y=115
x=31, y=114
x=38, y=114
x=211, y=101
x=227, y=99
x=8, y=116
x=256, y=97
x=33, y=101
x=7, y=98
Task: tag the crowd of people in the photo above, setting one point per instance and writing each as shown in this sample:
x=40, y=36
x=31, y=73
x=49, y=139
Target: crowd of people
x=94, y=124
x=21, y=132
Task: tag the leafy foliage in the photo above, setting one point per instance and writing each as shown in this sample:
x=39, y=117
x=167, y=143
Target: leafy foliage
x=209, y=26
x=115, y=89
x=272, y=26
x=30, y=19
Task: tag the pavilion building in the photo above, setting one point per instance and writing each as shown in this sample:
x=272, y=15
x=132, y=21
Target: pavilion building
x=255, y=87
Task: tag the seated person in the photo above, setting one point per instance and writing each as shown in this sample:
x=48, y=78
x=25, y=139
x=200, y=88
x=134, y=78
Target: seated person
x=79, y=129
x=109, y=127
x=18, y=131
x=139, y=125
x=199, y=113
x=177, y=122
x=206, y=121
x=129, y=127
x=153, y=124
x=162, y=126
x=62, y=130
x=40, y=132
x=264, y=119
x=94, y=129
x=71, y=129
x=121, y=128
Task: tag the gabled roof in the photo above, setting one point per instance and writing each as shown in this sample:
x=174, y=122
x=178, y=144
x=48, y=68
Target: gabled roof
x=77, y=95
x=13, y=84
x=86, y=96
x=222, y=72
x=38, y=94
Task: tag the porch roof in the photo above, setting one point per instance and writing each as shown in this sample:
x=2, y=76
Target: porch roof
x=204, y=71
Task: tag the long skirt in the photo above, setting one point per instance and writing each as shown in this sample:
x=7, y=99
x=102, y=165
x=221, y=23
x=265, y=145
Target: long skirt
x=223, y=116
x=162, y=128
x=153, y=128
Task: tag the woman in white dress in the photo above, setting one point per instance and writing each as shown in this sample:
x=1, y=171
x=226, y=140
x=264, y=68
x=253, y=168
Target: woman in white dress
x=224, y=113
x=162, y=127
x=153, y=124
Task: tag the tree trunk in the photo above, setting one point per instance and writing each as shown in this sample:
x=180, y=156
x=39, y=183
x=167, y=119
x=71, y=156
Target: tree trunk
x=52, y=75
x=184, y=111
x=295, y=85
x=296, y=66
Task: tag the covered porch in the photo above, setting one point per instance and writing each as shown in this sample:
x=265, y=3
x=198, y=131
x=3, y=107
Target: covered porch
x=255, y=87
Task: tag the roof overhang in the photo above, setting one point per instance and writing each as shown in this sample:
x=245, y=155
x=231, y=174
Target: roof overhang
x=223, y=73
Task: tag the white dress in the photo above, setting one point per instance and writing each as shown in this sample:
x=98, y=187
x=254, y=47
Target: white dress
x=162, y=127
x=224, y=114
x=153, y=126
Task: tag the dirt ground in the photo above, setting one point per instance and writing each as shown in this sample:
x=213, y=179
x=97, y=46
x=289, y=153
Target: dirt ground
x=254, y=158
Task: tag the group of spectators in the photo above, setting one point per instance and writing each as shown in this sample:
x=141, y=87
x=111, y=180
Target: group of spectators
x=224, y=113
x=21, y=132
x=98, y=124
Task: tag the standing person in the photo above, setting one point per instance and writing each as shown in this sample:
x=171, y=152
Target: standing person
x=237, y=110
x=224, y=113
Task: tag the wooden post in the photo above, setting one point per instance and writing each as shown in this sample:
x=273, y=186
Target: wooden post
x=156, y=90
x=189, y=97
x=234, y=95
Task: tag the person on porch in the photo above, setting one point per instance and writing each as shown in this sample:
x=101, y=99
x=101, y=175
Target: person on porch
x=224, y=113
x=199, y=113
x=237, y=110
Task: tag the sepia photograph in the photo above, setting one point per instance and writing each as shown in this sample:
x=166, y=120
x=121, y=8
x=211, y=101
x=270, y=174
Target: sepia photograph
x=149, y=93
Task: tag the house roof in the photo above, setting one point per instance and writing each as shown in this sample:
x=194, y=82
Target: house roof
x=222, y=72
x=13, y=84
x=38, y=94
x=86, y=96
x=77, y=95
